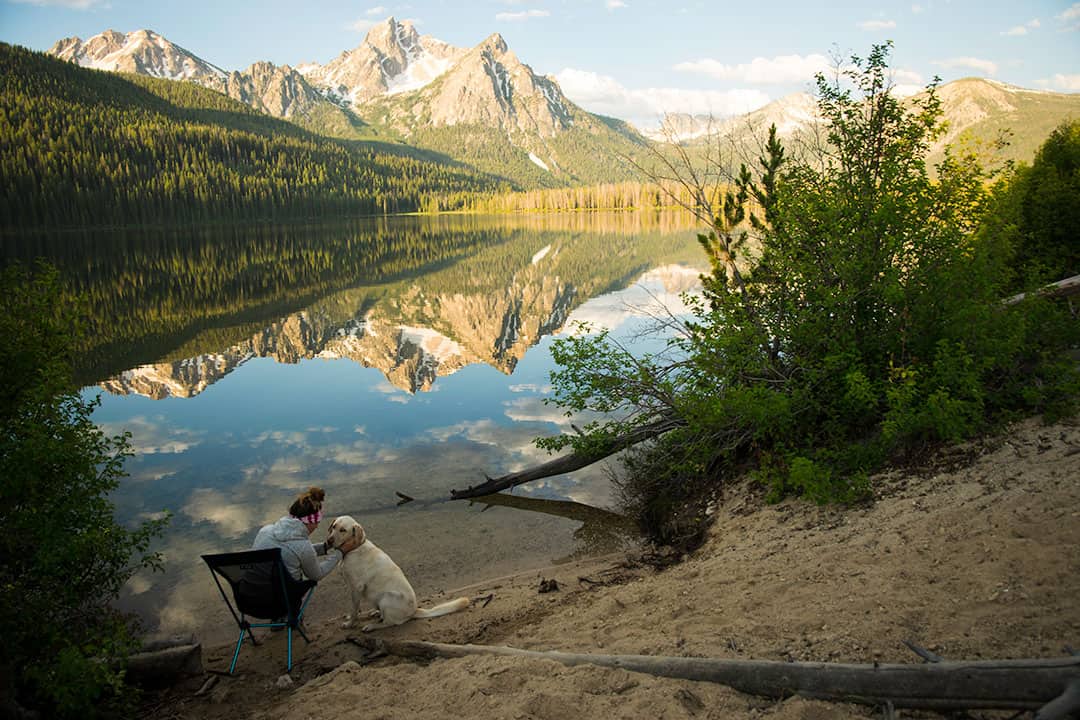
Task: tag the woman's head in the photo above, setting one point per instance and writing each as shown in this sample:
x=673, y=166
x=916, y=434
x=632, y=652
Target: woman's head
x=308, y=508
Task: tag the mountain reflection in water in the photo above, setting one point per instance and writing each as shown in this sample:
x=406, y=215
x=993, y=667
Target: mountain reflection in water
x=401, y=354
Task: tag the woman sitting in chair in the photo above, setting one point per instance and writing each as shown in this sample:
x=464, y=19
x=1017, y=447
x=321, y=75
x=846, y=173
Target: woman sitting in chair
x=292, y=532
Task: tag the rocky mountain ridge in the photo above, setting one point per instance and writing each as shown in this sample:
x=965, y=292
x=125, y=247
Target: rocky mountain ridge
x=486, y=107
x=279, y=91
x=395, y=84
x=392, y=59
x=413, y=339
x=143, y=52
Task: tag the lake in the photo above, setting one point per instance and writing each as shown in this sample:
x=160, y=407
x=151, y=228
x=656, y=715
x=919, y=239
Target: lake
x=394, y=355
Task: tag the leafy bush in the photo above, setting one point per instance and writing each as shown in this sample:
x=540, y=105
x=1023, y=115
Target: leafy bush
x=63, y=558
x=867, y=322
x=1041, y=205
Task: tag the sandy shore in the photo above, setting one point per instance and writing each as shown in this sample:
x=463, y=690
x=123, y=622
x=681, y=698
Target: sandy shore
x=976, y=555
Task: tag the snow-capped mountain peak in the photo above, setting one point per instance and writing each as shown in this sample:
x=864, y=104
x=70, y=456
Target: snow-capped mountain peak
x=140, y=51
x=392, y=59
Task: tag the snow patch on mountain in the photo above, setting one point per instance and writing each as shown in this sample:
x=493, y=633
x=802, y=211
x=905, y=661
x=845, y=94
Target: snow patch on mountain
x=142, y=51
x=431, y=342
x=419, y=73
x=538, y=162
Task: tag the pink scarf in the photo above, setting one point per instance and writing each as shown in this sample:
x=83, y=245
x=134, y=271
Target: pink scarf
x=312, y=519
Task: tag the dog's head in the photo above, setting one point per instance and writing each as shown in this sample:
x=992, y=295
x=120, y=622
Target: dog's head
x=345, y=532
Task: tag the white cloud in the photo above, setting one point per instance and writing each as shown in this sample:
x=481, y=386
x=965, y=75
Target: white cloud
x=1068, y=83
x=906, y=90
x=361, y=25
x=481, y=431
x=357, y=453
x=379, y=10
x=761, y=71
x=533, y=409
x=530, y=388
x=615, y=4
x=518, y=16
x=152, y=436
x=73, y=4
x=646, y=106
x=1071, y=14
x=1022, y=29
x=909, y=77
x=906, y=83
x=392, y=393
x=971, y=63
x=658, y=294
x=877, y=25
x=207, y=504
x=281, y=437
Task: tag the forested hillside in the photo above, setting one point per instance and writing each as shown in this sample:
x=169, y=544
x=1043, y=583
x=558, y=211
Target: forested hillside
x=81, y=148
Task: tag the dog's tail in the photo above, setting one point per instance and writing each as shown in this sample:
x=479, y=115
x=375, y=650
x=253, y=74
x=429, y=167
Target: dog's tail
x=445, y=608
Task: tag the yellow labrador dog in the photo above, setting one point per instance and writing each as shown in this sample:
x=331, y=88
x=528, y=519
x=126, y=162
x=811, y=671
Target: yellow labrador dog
x=376, y=579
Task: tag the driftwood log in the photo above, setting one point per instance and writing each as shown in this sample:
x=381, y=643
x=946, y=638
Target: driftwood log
x=164, y=662
x=570, y=462
x=1062, y=288
x=1065, y=706
x=983, y=684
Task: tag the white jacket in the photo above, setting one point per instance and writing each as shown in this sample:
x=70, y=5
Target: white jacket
x=289, y=534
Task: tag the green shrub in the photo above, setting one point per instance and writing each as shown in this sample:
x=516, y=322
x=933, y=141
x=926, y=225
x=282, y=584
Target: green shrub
x=63, y=557
x=866, y=325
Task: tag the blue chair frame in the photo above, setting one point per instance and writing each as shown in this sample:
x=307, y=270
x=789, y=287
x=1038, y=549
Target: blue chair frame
x=263, y=589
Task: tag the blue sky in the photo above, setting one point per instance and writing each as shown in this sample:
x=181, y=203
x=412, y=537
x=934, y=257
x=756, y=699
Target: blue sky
x=633, y=59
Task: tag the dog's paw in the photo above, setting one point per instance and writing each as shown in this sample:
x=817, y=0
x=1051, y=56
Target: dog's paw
x=374, y=613
x=348, y=622
x=370, y=626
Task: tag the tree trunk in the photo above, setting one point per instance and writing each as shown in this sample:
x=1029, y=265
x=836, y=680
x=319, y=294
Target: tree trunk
x=568, y=463
x=986, y=684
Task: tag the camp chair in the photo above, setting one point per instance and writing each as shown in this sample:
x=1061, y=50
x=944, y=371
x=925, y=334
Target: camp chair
x=262, y=588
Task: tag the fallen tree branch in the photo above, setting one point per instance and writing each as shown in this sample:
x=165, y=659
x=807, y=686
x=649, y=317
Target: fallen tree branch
x=983, y=684
x=570, y=462
x=1064, y=706
x=1062, y=288
x=923, y=652
x=164, y=665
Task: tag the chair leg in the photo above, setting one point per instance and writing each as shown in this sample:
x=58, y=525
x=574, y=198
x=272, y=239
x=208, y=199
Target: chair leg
x=288, y=667
x=236, y=653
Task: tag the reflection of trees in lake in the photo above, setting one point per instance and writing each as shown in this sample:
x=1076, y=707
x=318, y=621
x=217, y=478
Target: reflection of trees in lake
x=601, y=530
x=489, y=283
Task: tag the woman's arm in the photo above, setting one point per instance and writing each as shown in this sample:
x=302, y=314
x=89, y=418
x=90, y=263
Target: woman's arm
x=313, y=568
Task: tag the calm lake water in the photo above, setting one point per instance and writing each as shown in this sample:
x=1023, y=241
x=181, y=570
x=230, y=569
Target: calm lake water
x=392, y=355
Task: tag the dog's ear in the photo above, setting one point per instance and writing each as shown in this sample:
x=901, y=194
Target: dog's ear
x=358, y=534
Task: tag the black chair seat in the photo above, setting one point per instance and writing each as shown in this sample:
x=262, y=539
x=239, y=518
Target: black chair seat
x=262, y=588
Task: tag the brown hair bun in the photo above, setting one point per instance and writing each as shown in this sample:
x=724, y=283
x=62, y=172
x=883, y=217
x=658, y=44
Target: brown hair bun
x=308, y=503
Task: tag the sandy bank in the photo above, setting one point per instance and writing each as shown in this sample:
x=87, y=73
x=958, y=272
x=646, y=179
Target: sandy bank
x=976, y=555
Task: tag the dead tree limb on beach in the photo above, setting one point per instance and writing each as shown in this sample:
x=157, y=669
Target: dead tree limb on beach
x=163, y=662
x=570, y=462
x=1062, y=288
x=982, y=684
